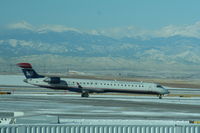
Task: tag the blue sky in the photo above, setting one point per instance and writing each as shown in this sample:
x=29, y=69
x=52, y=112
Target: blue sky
x=101, y=14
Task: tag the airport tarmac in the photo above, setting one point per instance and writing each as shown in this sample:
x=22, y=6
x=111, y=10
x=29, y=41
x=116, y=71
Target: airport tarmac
x=45, y=106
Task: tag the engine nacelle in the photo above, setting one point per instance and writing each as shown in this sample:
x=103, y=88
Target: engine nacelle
x=52, y=80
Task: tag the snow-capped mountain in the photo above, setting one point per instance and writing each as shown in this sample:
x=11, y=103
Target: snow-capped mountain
x=56, y=44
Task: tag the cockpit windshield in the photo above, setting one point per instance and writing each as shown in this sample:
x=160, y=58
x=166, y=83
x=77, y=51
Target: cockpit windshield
x=159, y=86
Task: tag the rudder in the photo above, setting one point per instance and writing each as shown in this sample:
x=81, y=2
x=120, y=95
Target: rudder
x=28, y=71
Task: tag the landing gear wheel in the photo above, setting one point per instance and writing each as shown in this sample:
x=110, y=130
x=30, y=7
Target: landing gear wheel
x=160, y=96
x=84, y=94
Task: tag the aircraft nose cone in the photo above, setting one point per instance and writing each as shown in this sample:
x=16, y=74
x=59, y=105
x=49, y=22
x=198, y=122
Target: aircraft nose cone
x=166, y=91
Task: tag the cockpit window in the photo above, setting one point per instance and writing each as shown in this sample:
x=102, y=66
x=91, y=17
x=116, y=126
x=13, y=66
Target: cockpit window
x=159, y=86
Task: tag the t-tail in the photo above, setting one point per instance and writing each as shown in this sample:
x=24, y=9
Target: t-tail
x=28, y=71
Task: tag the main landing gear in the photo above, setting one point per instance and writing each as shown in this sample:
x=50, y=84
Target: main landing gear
x=85, y=94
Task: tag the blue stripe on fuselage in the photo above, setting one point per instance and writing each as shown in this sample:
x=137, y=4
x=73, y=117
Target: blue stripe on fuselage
x=103, y=90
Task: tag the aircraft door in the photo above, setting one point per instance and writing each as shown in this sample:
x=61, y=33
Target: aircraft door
x=150, y=88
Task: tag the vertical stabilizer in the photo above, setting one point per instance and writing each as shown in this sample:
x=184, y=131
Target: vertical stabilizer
x=28, y=71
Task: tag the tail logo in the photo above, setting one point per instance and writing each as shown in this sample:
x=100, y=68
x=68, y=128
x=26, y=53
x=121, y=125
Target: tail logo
x=29, y=73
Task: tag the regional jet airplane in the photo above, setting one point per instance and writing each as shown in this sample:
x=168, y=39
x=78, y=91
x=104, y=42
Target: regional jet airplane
x=86, y=86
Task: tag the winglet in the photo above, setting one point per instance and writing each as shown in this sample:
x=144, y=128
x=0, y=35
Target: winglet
x=24, y=65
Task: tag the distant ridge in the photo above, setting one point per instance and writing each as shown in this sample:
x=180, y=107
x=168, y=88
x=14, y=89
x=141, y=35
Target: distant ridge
x=75, y=49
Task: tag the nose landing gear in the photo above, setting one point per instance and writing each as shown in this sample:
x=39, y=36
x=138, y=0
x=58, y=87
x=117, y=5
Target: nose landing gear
x=160, y=96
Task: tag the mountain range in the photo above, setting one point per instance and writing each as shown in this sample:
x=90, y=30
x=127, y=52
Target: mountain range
x=84, y=50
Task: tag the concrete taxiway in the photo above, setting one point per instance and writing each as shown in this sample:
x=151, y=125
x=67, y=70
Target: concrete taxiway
x=45, y=106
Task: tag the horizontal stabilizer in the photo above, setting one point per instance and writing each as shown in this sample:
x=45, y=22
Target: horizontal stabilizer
x=24, y=65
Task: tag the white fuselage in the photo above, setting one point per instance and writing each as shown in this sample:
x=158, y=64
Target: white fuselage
x=99, y=86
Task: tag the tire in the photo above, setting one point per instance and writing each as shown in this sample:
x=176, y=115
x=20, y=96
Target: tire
x=84, y=94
